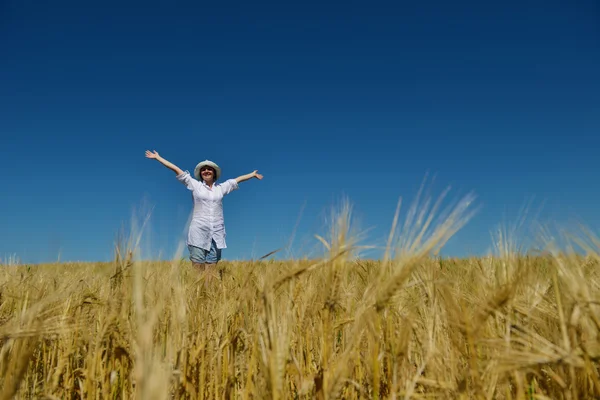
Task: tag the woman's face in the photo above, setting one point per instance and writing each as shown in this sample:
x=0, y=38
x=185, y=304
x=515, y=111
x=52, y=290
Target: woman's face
x=207, y=174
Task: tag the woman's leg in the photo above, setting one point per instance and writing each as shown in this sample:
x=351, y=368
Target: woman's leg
x=199, y=266
x=197, y=257
x=212, y=258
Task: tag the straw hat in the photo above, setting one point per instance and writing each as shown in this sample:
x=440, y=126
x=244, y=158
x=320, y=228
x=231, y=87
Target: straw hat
x=206, y=163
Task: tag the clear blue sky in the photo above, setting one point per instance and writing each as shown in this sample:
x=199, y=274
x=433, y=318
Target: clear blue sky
x=326, y=99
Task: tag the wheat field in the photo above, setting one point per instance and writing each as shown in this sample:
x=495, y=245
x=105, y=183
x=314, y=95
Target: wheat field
x=410, y=325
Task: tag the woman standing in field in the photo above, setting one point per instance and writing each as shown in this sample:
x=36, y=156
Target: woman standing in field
x=206, y=235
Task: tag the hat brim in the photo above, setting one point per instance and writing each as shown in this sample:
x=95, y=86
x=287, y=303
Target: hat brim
x=209, y=164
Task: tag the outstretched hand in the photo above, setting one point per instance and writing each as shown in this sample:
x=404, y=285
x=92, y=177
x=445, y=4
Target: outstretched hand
x=150, y=154
x=253, y=174
x=155, y=156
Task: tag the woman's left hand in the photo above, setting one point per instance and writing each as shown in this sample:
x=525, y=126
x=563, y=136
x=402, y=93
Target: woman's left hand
x=257, y=175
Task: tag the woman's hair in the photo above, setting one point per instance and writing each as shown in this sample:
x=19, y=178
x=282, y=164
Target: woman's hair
x=213, y=171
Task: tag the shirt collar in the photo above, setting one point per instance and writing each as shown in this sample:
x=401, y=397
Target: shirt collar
x=206, y=186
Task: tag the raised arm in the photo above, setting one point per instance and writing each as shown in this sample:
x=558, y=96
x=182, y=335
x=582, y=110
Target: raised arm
x=251, y=175
x=168, y=164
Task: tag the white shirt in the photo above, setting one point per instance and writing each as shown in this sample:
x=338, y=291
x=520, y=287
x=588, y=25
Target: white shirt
x=207, y=219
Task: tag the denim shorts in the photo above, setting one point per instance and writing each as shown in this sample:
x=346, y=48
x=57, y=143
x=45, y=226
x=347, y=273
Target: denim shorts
x=202, y=256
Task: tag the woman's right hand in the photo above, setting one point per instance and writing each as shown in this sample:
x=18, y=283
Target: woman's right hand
x=150, y=154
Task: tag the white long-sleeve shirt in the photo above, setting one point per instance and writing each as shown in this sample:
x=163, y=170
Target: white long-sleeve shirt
x=207, y=219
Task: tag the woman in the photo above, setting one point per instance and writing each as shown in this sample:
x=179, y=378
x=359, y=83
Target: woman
x=206, y=235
